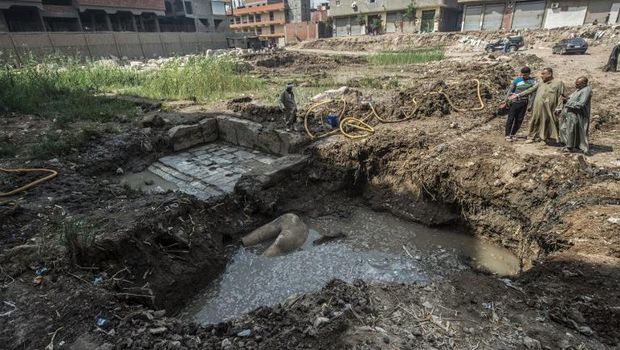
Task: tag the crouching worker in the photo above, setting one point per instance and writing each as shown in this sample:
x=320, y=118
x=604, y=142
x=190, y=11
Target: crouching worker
x=288, y=106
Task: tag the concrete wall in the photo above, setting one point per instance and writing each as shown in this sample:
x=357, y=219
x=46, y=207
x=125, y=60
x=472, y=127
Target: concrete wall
x=18, y=46
x=301, y=31
x=598, y=10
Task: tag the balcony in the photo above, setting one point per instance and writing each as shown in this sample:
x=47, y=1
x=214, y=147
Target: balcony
x=256, y=24
x=255, y=9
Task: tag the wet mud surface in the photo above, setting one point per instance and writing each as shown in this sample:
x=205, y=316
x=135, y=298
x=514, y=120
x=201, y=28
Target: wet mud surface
x=153, y=252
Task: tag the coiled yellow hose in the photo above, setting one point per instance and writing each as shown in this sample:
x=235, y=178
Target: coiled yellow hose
x=361, y=124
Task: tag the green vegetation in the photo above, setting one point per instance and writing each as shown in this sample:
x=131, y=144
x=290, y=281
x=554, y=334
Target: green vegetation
x=410, y=12
x=200, y=77
x=58, y=145
x=410, y=56
x=77, y=237
x=68, y=90
x=62, y=88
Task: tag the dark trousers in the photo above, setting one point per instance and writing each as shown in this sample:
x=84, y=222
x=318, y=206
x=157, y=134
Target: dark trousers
x=516, y=113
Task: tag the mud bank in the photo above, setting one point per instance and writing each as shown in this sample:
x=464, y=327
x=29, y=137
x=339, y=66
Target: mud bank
x=154, y=252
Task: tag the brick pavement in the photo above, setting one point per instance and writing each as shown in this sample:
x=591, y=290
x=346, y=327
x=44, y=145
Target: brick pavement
x=209, y=170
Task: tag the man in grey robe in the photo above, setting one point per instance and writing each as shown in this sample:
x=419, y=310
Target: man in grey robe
x=288, y=106
x=575, y=120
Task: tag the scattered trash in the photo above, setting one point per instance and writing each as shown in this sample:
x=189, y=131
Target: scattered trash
x=41, y=271
x=98, y=280
x=332, y=120
x=427, y=305
x=158, y=330
x=102, y=322
x=38, y=280
x=120, y=171
x=244, y=333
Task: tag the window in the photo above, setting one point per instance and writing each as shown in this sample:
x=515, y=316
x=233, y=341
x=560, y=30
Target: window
x=204, y=21
x=188, y=8
x=258, y=18
x=371, y=1
x=259, y=31
x=272, y=29
x=337, y=2
x=271, y=16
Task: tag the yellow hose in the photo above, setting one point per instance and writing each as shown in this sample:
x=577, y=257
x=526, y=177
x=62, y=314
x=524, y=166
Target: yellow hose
x=358, y=124
x=52, y=174
x=481, y=107
x=362, y=124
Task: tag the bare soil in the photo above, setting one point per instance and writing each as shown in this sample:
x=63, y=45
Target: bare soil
x=555, y=211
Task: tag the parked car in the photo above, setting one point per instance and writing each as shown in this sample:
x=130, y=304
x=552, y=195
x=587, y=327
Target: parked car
x=515, y=43
x=572, y=45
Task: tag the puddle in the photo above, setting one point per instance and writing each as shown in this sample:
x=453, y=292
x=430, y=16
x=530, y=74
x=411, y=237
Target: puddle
x=367, y=229
x=252, y=280
x=372, y=251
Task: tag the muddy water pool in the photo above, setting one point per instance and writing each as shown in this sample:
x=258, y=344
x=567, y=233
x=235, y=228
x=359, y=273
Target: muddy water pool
x=376, y=247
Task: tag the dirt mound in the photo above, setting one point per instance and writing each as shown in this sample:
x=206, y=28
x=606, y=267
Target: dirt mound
x=302, y=61
x=249, y=109
x=461, y=41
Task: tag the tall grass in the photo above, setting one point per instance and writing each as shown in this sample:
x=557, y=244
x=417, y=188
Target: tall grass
x=408, y=56
x=69, y=90
x=200, y=77
x=63, y=88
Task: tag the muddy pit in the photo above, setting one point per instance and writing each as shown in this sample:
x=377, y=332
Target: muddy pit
x=370, y=246
x=172, y=258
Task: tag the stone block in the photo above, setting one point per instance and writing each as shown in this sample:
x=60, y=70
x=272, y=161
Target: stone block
x=267, y=175
x=185, y=136
x=281, y=142
x=238, y=131
x=291, y=142
x=209, y=129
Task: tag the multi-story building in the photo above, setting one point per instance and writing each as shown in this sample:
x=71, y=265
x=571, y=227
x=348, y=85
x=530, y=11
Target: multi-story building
x=196, y=15
x=112, y=15
x=358, y=17
x=514, y=15
x=266, y=18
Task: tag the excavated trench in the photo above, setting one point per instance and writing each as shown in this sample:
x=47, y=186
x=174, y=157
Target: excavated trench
x=349, y=240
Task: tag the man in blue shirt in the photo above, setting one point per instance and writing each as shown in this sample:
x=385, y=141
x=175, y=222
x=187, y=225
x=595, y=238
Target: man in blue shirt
x=518, y=106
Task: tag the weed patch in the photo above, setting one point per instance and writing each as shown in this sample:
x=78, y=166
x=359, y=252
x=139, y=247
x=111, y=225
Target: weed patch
x=77, y=237
x=58, y=145
x=409, y=56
